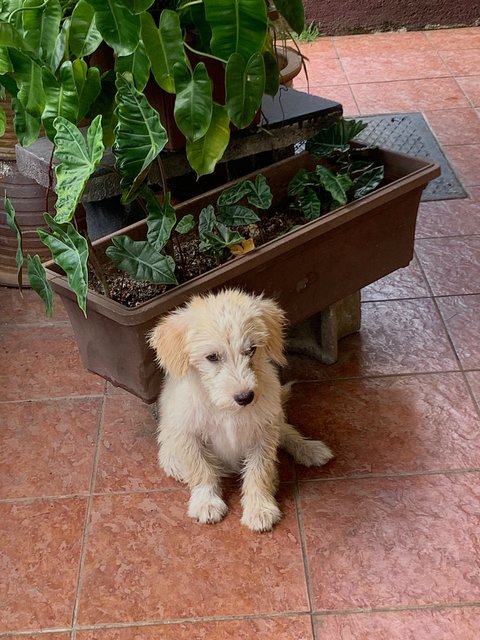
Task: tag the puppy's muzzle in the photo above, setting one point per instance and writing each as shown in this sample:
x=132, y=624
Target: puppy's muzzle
x=244, y=397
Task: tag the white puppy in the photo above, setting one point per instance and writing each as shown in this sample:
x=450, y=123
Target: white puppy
x=220, y=409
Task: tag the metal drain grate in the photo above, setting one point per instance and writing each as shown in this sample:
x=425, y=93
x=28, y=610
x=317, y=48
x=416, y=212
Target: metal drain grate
x=409, y=133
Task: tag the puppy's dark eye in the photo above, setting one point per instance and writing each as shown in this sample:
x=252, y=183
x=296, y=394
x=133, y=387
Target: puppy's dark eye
x=213, y=357
x=251, y=351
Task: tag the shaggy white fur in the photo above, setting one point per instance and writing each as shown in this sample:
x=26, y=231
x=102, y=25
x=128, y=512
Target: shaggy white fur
x=220, y=409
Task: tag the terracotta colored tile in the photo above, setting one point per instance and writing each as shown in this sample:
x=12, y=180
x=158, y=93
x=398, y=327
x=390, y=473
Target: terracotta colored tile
x=47, y=447
x=465, y=62
x=321, y=72
x=340, y=93
x=403, y=283
x=462, y=318
x=320, y=47
x=391, y=542
x=288, y=628
x=459, y=217
x=377, y=43
x=440, y=624
x=41, y=542
x=461, y=38
x=409, y=95
x=471, y=88
x=455, y=126
x=26, y=308
x=451, y=265
x=43, y=363
x=39, y=636
x=382, y=67
x=147, y=560
x=389, y=425
x=465, y=159
x=397, y=336
x=473, y=378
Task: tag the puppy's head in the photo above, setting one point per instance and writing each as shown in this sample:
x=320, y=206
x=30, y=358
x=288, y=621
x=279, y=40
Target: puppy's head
x=226, y=339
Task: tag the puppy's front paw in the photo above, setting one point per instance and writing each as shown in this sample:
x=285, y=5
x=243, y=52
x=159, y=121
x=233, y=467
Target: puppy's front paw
x=262, y=516
x=313, y=453
x=206, y=505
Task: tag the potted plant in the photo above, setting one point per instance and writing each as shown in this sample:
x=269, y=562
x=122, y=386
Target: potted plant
x=354, y=214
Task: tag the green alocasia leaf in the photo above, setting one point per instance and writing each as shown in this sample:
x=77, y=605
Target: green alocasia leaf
x=185, y=224
x=27, y=127
x=300, y=181
x=141, y=5
x=84, y=35
x=237, y=215
x=41, y=24
x=58, y=50
x=368, y=181
x=88, y=84
x=161, y=219
x=28, y=76
x=193, y=102
x=293, y=12
x=3, y=121
x=12, y=223
x=337, y=186
x=164, y=46
x=70, y=251
x=120, y=28
x=259, y=194
x=245, y=84
x=228, y=236
x=272, y=73
x=204, y=154
x=61, y=97
x=78, y=157
x=310, y=204
x=335, y=138
x=10, y=37
x=138, y=64
x=238, y=26
x=140, y=136
x=233, y=194
x=141, y=260
x=206, y=220
x=38, y=281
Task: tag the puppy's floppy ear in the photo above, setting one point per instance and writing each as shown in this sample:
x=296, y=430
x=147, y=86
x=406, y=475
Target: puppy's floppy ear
x=168, y=339
x=275, y=321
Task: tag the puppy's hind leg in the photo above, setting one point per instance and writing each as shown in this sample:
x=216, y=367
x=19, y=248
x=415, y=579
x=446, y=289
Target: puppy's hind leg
x=310, y=453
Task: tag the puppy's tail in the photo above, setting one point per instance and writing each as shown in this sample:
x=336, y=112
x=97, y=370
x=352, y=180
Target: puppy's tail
x=285, y=393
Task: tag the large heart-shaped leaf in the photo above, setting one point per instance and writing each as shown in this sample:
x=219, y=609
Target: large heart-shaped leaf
x=206, y=220
x=310, y=204
x=335, y=138
x=185, y=224
x=138, y=64
x=61, y=97
x=259, y=194
x=78, y=158
x=41, y=23
x=88, y=84
x=337, y=186
x=12, y=223
x=84, y=35
x=37, y=277
x=10, y=37
x=238, y=26
x=160, y=220
x=140, y=136
x=120, y=28
x=70, y=251
x=141, y=260
x=193, y=102
x=164, y=47
x=245, y=84
x=237, y=215
x=141, y=5
x=368, y=181
x=57, y=53
x=293, y=12
x=204, y=154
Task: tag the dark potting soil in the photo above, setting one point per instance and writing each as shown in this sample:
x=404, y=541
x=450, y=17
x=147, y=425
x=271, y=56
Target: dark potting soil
x=190, y=262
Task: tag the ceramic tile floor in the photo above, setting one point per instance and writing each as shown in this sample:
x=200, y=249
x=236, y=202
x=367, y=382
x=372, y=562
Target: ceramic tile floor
x=382, y=544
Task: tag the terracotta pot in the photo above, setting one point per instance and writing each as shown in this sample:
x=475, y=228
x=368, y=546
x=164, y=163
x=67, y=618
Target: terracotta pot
x=306, y=270
x=290, y=62
x=28, y=200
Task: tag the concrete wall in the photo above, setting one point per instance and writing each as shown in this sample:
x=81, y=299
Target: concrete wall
x=355, y=16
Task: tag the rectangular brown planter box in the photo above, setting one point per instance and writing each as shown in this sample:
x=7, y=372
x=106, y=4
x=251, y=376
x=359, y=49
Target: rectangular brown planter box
x=306, y=270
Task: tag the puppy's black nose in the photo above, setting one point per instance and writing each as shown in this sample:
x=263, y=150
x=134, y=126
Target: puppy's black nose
x=244, y=398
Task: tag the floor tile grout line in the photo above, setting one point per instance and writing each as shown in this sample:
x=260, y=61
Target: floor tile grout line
x=88, y=512
x=394, y=475
x=254, y=616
